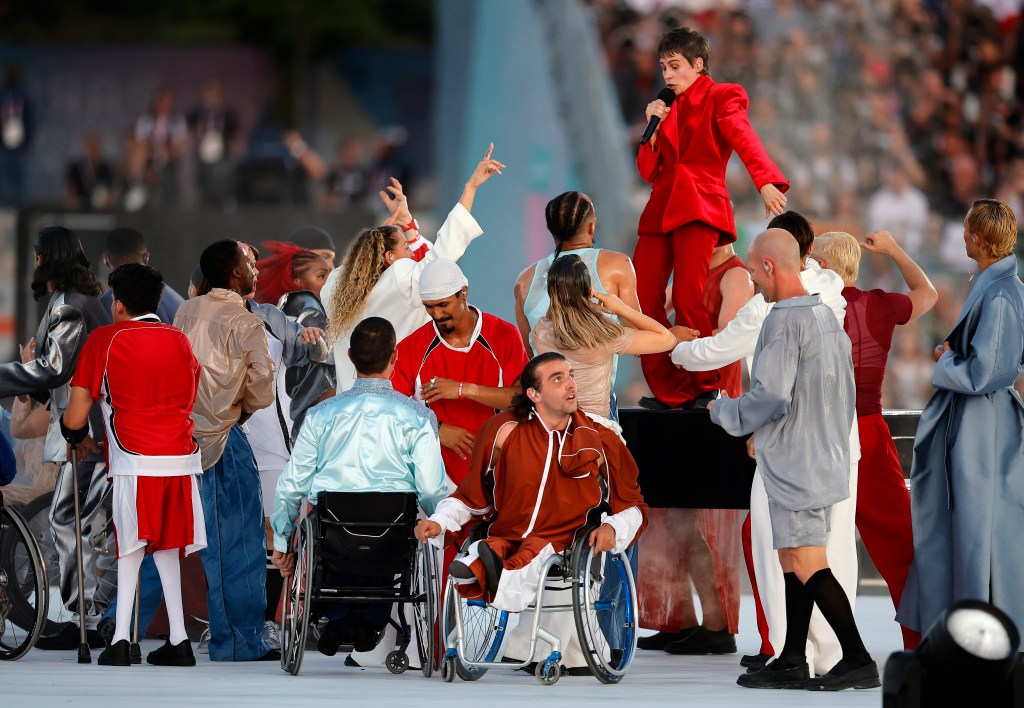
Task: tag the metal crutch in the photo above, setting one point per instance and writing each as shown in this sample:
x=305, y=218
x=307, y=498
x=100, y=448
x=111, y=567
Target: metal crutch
x=135, y=651
x=84, y=657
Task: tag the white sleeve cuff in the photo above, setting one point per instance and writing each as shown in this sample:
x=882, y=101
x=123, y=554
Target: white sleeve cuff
x=626, y=523
x=451, y=515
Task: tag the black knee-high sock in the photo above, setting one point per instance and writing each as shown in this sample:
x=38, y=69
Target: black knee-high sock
x=828, y=595
x=274, y=583
x=799, y=605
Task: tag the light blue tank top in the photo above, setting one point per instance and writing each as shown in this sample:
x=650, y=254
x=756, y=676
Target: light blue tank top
x=537, y=302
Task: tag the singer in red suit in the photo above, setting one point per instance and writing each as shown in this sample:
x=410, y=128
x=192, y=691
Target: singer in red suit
x=689, y=212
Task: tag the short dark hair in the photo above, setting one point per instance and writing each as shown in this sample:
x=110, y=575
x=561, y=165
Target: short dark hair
x=218, y=260
x=198, y=281
x=371, y=345
x=63, y=263
x=799, y=228
x=522, y=406
x=126, y=242
x=688, y=42
x=138, y=287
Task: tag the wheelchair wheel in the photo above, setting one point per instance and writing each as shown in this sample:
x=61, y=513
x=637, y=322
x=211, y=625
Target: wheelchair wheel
x=605, y=610
x=427, y=585
x=24, y=596
x=483, y=632
x=297, y=600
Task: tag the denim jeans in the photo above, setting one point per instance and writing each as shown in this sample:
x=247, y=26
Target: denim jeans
x=235, y=558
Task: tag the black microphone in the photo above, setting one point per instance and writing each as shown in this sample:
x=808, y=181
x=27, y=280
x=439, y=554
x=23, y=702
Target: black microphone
x=666, y=95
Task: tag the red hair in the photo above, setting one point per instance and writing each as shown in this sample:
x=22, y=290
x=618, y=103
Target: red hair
x=278, y=270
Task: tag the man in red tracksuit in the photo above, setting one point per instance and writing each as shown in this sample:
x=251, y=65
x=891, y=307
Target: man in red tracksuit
x=689, y=212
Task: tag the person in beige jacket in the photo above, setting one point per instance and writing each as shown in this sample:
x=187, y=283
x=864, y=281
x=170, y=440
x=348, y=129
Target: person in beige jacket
x=237, y=380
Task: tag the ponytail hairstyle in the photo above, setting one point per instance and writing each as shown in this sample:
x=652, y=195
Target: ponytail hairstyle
x=279, y=270
x=576, y=320
x=522, y=407
x=566, y=215
x=361, y=268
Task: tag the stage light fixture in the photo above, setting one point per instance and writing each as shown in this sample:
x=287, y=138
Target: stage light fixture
x=969, y=656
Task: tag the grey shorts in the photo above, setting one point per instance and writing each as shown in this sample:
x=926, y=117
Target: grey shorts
x=792, y=529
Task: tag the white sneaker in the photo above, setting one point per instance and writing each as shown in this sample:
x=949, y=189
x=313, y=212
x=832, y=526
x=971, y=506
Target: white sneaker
x=271, y=635
x=204, y=642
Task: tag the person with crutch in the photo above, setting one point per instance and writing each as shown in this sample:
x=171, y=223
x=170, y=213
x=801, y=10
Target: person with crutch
x=154, y=459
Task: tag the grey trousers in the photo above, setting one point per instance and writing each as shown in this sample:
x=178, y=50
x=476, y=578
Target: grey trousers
x=92, y=484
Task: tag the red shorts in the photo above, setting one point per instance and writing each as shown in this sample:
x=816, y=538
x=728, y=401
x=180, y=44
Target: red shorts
x=158, y=513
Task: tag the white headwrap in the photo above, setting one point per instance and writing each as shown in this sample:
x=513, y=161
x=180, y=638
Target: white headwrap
x=441, y=278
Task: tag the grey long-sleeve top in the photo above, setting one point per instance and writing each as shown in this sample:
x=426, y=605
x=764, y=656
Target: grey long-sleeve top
x=800, y=404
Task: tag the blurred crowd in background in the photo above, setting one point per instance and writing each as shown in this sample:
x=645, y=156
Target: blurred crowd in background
x=891, y=114
x=198, y=155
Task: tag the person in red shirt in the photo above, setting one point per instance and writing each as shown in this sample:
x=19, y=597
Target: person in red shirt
x=146, y=378
x=883, y=501
x=689, y=212
x=464, y=364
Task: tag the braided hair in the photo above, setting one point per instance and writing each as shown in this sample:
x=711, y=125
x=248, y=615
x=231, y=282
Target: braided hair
x=566, y=215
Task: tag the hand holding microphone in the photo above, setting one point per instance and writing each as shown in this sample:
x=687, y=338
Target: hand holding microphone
x=656, y=112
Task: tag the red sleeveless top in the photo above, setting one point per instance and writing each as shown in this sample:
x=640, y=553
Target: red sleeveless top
x=731, y=375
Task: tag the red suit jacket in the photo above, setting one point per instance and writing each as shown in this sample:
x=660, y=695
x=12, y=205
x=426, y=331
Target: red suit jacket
x=687, y=171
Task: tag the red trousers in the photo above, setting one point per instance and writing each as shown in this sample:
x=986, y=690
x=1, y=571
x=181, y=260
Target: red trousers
x=684, y=254
x=883, y=510
x=762, y=621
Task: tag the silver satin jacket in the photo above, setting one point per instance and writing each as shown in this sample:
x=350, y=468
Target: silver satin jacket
x=306, y=383
x=70, y=317
x=238, y=373
x=801, y=405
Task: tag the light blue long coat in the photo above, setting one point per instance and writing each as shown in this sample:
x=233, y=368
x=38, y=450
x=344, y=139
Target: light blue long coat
x=967, y=479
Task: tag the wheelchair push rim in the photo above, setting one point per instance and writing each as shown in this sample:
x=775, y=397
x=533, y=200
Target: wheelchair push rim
x=604, y=600
x=427, y=589
x=295, y=617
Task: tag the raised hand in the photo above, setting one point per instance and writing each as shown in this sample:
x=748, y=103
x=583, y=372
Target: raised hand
x=880, y=241
x=485, y=168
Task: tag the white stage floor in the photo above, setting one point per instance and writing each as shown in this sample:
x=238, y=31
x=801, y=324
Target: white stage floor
x=55, y=678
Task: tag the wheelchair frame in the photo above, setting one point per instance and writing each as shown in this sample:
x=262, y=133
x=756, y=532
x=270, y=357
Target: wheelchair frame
x=418, y=585
x=577, y=567
x=21, y=566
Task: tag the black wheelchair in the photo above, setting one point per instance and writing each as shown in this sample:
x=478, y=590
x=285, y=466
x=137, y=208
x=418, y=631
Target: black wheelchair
x=368, y=534
x=24, y=596
x=603, y=603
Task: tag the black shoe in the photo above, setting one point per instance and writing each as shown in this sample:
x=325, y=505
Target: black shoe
x=115, y=655
x=272, y=655
x=330, y=640
x=703, y=400
x=460, y=571
x=68, y=637
x=844, y=676
x=615, y=657
x=577, y=671
x=772, y=677
x=179, y=654
x=652, y=404
x=366, y=637
x=662, y=639
x=755, y=661
x=349, y=661
x=702, y=641
x=492, y=565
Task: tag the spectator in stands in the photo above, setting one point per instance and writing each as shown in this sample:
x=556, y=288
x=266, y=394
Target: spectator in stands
x=15, y=138
x=215, y=131
x=161, y=135
x=348, y=183
x=90, y=183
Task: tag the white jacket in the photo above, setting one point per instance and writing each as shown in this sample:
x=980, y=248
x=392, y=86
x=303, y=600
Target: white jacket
x=396, y=296
x=738, y=339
